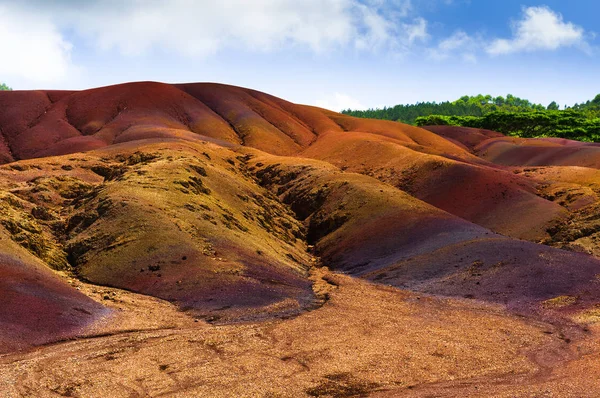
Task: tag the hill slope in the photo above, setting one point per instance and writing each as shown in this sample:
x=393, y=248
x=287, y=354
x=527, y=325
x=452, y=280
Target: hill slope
x=227, y=203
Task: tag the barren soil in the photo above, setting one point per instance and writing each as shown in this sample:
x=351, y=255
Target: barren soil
x=210, y=240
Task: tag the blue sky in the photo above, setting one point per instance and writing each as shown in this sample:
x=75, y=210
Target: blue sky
x=331, y=53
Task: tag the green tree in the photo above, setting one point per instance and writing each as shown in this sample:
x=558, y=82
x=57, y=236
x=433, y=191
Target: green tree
x=478, y=105
x=4, y=87
x=570, y=123
x=553, y=106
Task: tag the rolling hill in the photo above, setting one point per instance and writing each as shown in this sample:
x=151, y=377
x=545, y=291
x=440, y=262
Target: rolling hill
x=233, y=210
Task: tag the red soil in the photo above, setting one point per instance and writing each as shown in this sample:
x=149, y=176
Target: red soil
x=516, y=273
x=425, y=164
x=489, y=196
x=467, y=137
x=148, y=110
x=539, y=152
x=38, y=307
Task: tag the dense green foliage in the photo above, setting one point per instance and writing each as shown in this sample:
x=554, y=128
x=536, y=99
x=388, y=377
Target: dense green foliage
x=4, y=87
x=510, y=115
x=479, y=105
x=569, y=123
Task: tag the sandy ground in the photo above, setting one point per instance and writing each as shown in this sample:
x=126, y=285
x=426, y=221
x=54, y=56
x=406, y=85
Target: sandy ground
x=365, y=339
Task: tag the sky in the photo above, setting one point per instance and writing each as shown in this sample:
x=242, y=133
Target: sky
x=336, y=54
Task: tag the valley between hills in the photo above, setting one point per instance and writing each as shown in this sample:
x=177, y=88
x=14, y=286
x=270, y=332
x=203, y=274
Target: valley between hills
x=210, y=240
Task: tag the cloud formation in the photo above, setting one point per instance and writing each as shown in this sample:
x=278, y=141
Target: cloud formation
x=32, y=47
x=39, y=35
x=44, y=40
x=540, y=28
x=199, y=28
x=460, y=43
x=416, y=31
x=204, y=27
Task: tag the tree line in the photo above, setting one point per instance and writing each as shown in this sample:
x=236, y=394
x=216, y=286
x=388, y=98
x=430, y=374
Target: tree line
x=509, y=115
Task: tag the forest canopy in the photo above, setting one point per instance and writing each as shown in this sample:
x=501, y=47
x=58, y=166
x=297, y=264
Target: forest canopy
x=509, y=115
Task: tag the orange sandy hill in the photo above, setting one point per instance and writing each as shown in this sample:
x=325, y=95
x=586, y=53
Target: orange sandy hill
x=223, y=200
x=428, y=166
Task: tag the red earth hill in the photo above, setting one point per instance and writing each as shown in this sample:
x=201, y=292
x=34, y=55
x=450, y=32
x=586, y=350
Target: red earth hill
x=213, y=196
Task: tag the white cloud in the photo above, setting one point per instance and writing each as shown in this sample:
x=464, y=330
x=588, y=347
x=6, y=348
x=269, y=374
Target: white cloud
x=37, y=35
x=417, y=31
x=539, y=29
x=378, y=30
x=459, y=44
x=32, y=47
x=339, y=102
x=204, y=27
x=201, y=28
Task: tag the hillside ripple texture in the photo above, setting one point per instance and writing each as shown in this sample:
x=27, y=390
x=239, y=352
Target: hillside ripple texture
x=211, y=240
